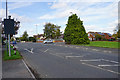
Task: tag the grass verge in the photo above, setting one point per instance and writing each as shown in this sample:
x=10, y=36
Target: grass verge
x=13, y=56
x=107, y=44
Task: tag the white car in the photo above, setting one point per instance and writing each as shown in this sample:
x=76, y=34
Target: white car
x=48, y=41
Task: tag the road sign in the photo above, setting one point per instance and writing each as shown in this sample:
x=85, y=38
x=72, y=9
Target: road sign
x=9, y=26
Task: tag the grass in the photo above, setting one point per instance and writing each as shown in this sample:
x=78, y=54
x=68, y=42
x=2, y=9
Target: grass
x=13, y=56
x=107, y=44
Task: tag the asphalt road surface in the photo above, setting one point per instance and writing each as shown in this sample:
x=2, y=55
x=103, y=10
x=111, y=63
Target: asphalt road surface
x=64, y=61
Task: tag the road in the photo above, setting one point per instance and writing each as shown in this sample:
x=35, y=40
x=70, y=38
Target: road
x=64, y=61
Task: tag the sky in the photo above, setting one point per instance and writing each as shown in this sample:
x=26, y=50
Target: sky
x=97, y=16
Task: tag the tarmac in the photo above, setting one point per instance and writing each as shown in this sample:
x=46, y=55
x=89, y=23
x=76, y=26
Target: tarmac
x=15, y=70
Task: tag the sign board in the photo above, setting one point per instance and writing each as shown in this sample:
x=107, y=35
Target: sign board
x=9, y=26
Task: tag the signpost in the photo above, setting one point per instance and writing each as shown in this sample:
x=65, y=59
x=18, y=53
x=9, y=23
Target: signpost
x=9, y=28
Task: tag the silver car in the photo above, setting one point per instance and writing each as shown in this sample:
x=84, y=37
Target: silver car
x=47, y=41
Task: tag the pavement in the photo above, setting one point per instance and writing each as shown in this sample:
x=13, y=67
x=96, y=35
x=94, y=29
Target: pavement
x=15, y=70
x=69, y=61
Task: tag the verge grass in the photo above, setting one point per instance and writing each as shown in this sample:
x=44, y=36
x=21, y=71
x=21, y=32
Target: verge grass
x=107, y=44
x=13, y=56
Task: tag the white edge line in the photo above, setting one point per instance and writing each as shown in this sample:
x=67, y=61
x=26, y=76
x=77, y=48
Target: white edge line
x=101, y=68
x=29, y=70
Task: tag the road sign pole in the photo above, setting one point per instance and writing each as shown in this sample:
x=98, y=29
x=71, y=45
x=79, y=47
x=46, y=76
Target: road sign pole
x=6, y=34
x=9, y=45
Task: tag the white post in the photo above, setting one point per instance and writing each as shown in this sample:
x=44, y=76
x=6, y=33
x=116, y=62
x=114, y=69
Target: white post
x=9, y=45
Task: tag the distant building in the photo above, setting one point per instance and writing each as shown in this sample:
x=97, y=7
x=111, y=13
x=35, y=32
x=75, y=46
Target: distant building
x=39, y=36
x=104, y=36
x=61, y=37
x=91, y=36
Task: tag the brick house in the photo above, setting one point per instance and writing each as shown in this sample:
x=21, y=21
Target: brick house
x=105, y=36
x=91, y=36
x=108, y=36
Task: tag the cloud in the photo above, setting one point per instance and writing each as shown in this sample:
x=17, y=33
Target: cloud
x=62, y=0
x=22, y=19
x=16, y=5
x=58, y=5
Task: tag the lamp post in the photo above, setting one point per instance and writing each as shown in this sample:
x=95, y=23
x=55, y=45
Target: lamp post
x=36, y=30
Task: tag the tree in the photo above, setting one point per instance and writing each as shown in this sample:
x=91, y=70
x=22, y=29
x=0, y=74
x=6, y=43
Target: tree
x=75, y=32
x=24, y=36
x=33, y=39
x=51, y=31
x=58, y=33
x=98, y=37
x=116, y=32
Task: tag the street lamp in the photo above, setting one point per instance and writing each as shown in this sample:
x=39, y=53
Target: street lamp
x=36, y=28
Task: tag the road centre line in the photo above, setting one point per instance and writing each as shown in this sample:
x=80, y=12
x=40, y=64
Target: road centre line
x=92, y=60
x=101, y=68
x=107, y=65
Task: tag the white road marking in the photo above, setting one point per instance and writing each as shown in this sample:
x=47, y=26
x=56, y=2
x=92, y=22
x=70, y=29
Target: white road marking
x=29, y=70
x=63, y=53
x=110, y=61
x=46, y=50
x=71, y=46
x=28, y=51
x=77, y=47
x=92, y=60
x=101, y=68
x=86, y=48
x=105, y=51
x=72, y=56
x=107, y=65
x=56, y=55
x=66, y=46
x=95, y=50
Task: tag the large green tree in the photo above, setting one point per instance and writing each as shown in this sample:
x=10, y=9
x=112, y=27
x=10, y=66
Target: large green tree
x=51, y=31
x=24, y=36
x=75, y=32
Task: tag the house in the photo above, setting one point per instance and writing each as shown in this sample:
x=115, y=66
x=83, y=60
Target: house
x=39, y=36
x=91, y=36
x=108, y=36
x=61, y=36
x=104, y=36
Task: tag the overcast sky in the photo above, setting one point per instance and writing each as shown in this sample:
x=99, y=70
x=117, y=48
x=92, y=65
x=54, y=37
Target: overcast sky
x=97, y=15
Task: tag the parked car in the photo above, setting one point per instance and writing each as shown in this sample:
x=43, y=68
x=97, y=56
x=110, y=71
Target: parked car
x=48, y=41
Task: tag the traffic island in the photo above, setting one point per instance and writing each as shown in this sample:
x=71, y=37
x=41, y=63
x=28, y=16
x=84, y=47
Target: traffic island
x=14, y=55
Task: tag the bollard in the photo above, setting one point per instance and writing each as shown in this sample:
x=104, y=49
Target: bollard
x=15, y=51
